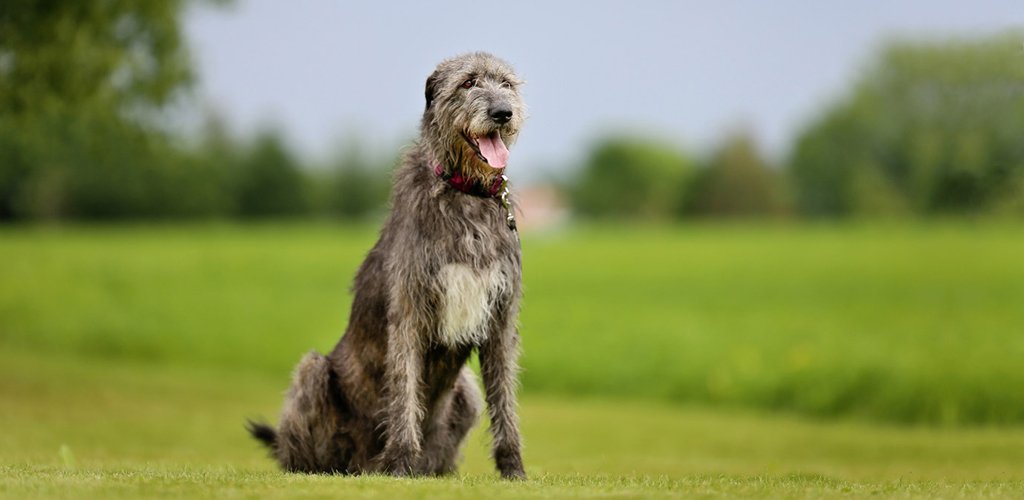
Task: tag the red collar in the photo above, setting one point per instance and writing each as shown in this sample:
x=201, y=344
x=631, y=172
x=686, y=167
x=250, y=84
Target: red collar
x=470, y=186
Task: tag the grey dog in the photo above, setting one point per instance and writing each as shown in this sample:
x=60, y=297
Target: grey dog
x=444, y=279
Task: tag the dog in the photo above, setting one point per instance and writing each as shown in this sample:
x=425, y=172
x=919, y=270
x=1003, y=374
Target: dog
x=443, y=280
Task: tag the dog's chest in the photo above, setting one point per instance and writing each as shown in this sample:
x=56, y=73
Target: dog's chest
x=469, y=297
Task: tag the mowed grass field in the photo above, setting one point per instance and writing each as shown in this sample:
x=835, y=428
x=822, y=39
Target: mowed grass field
x=774, y=361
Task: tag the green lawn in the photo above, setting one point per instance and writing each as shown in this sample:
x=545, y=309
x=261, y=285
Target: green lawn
x=788, y=361
x=80, y=428
x=901, y=323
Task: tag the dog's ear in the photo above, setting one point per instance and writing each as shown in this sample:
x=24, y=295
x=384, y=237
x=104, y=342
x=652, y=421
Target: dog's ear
x=431, y=88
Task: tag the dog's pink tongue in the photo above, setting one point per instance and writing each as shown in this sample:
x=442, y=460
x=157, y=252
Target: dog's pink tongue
x=494, y=150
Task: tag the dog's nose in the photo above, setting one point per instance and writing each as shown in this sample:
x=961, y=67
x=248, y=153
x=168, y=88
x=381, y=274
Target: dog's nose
x=501, y=114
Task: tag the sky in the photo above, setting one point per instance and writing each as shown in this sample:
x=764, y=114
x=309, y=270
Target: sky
x=330, y=73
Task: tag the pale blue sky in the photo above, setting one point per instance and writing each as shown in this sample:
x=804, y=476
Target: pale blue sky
x=681, y=71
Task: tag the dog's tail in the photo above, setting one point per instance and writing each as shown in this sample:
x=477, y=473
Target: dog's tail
x=304, y=440
x=263, y=433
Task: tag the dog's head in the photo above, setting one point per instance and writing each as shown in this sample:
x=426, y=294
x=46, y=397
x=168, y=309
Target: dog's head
x=473, y=114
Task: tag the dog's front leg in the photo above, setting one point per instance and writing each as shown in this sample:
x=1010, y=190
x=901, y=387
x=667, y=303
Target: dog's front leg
x=498, y=365
x=403, y=368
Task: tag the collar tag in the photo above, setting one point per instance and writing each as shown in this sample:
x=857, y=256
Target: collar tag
x=510, y=217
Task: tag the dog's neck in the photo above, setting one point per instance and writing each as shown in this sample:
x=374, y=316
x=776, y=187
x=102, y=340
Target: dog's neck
x=470, y=185
x=498, y=188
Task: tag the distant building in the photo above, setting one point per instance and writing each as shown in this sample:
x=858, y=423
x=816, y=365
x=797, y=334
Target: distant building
x=541, y=208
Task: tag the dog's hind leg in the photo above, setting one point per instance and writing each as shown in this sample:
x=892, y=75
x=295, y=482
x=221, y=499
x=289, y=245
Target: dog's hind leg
x=309, y=437
x=447, y=431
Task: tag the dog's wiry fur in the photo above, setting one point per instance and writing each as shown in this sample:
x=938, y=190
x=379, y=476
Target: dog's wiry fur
x=443, y=280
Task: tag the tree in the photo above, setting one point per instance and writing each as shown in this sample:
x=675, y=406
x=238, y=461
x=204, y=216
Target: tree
x=58, y=55
x=83, y=85
x=269, y=181
x=358, y=184
x=932, y=127
x=737, y=181
x=626, y=177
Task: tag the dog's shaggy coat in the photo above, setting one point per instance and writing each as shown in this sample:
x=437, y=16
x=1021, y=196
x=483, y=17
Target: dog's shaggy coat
x=443, y=280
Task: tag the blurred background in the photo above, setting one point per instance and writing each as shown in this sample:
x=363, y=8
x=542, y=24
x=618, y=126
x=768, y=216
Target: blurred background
x=779, y=208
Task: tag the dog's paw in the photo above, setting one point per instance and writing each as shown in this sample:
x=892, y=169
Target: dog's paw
x=510, y=464
x=399, y=464
x=400, y=471
x=514, y=474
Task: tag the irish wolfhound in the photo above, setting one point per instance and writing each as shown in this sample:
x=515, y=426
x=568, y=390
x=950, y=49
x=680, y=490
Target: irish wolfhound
x=442, y=281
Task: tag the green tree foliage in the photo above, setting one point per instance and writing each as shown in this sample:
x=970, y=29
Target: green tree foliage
x=84, y=87
x=737, y=182
x=626, y=177
x=932, y=127
x=268, y=180
x=82, y=84
x=359, y=184
x=64, y=55
x=218, y=156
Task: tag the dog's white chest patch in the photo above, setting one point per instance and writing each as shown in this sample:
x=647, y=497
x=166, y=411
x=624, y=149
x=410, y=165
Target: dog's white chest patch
x=467, y=300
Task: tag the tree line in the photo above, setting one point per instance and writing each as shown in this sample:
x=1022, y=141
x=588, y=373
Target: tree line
x=87, y=88
x=931, y=128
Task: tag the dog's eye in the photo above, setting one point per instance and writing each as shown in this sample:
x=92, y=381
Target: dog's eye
x=506, y=84
x=468, y=84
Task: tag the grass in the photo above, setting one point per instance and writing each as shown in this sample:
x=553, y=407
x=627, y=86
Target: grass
x=694, y=361
x=80, y=428
x=904, y=323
